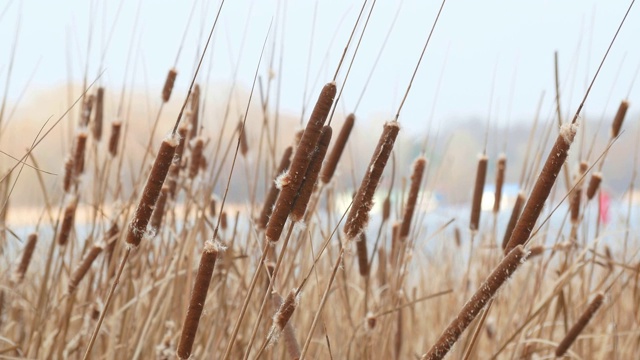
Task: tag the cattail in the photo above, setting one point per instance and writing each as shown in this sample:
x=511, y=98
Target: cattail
x=27, y=254
x=416, y=179
x=582, y=322
x=291, y=181
x=594, y=185
x=291, y=343
x=370, y=321
x=310, y=179
x=501, y=168
x=361, y=250
x=244, y=145
x=198, y=298
x=195, y=112
x=478, y=189
x=78, y=155
x=395, y=242
x=196, y=156
x=281, y=318
x=68, y=174
x=330, y=165
x=67, y=222
x=386, y=208
x=111, y=237
x=168, y=85
x=472, y=308
x=83, y=268
x=535, y=251
x=158, y=211
x=272, y=195
x=617, y=121
x=97, y=120
x=382, y=267
x=212, y=206
x=151, y=191
x=574, y=204
x=542, y=187
x=513, y=219
x=223, y=220
x=114, y=139
x=176, y=164
x=85, y=115
x=359, y=213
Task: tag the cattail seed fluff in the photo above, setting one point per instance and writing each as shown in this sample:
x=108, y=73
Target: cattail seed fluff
x=25, y=260
x=416, y=179
x=292, y=180
x=478, y=190
x=151, y=191
x=582, y=322
x=542, y=187
x=359, y=213
x=501, y=169
x=198, y=299
x=168, y=85
x=331, y=164
x=617, y=121
x=272, y=195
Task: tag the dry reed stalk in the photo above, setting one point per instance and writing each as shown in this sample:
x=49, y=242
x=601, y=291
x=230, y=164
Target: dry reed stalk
x=25, y=260
x=359, y=213
x=331, y=164
x=168, y=85
x=151, y=191
x=85, y=115
x=501, y=169
x=311, y=177
x=617, y=121
x=82, y=269
x=194, y=119
x=68, y=219
x=582, y=322
x=79, y=151
x=542, y=187
x=594, y=185
x=176, y=164
x=158, y=211
x=198, y=299
x=244, y=145
x=478, y=190
x=416, y=180
x=272, y=195
x=196, y=157
x=68, y=179
x=361, y=251
x=114, y=139
x=513, y=219
x=99, y=115
x=291, y=181
x=290, y=341
x=472, y=308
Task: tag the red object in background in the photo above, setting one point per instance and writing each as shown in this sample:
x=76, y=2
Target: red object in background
x=604, y=203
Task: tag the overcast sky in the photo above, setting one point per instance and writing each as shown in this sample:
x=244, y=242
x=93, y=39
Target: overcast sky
x=474, y=39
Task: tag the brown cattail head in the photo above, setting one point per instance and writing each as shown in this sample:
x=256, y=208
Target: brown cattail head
x=212, y=206
x=69, y=177
x=330, y=165
x=272, y=195
x=151, y=191
x=99, y=115
x=617, y=121
x=114, y=139
x=291, y=343
x=198, y=299
x=82, y=269
x=286, y=310
x=196, y=156
x=386, y=208
x=25, y=260
x=242, y=133
x=594, y=185
x=535, y=251
x=195, y=112
x=513, y=219
x=85, y=115
x=111, y=237
x=363, y=258
x=158, y=211
x=359, y=213
x=501, y=169
x=176, y=164
x=68, y=219
x=478, y=189
x=79, y=151
x=382, y=267
x=310, y=179
x=542, y=187
x=472, y=308
x=416, y=179
x=582, y=322
x=292, y=180
x=457, y=236
x=168, y=85
x=223, y=220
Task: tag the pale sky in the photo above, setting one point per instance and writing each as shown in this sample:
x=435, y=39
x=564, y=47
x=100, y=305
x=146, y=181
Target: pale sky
x=473, y=38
